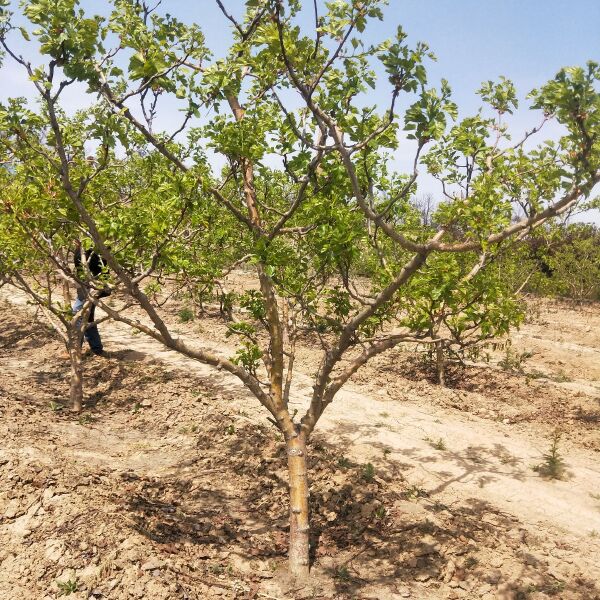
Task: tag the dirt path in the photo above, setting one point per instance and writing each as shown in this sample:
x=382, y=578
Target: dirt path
x=475, y=459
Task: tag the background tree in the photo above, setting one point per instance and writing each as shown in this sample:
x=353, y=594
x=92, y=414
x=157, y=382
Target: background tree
x=569, y=262
x=36, y=243
x=462, y=303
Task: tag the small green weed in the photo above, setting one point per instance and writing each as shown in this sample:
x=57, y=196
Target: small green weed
x=185, y=315
x=193, y=428
x=414, y=492
x=552, y=465
x=438, y=444
x=555, y=587
x=55, y=406
x=344, y=463
x=67, y=587
x=380, y=512
x=216, y=569
x=368, y=472
x=525, y=593
x=535, y=374
x=513, y=360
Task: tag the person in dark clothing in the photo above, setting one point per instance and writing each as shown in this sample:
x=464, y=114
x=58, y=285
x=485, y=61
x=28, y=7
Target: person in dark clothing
x=94, y=266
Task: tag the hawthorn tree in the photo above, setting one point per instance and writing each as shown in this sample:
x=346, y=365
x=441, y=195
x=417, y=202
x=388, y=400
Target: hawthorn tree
x=134, y=199
x=36, y=243
x=461, y=303
x=567, y=260
x=307, y=185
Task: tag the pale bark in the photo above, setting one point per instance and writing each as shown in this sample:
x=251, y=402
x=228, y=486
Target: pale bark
x=299, y=541
x=66, y=293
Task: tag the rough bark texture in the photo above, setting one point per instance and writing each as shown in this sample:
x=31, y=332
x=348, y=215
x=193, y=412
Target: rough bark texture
x=299, y=516
x=66, y=293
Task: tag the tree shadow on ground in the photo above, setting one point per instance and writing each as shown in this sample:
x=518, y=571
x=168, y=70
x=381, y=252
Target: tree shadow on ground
x=424, y=542
x=13, y=334
x=224, y=504
x=484, y=463
x=370, y=528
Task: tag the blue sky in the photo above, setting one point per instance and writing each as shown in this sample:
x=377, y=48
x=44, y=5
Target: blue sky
x=474, y=40
x=528, y=41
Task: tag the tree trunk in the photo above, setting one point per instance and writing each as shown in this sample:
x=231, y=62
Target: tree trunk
x=76, y=394
x=440, y=363
x=66, y=293
x=299, y=543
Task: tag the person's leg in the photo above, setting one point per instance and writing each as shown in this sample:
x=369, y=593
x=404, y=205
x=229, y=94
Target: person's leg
x=92, y=334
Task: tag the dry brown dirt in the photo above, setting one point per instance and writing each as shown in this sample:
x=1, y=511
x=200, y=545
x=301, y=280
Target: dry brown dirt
x=172, y=483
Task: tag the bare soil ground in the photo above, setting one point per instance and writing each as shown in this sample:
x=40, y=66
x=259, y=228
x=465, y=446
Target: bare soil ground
x=172, y=483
